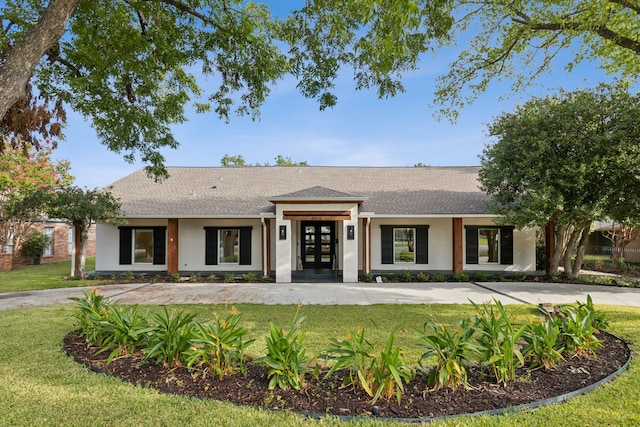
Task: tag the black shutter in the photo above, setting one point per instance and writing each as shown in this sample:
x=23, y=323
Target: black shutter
x=245, y=246
x=506, y=245
x=386, y=238
x=422, y=244
x=159, y=245
x=125, y=245
x=472, y=244
x=211, y=246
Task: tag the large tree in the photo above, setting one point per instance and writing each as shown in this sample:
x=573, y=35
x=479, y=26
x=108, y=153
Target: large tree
x=518, y=40
x=130, y=65
x=567, y=160
x=83, y=208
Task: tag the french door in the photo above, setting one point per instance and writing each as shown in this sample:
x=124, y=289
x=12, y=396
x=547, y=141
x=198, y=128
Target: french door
x=319, y=248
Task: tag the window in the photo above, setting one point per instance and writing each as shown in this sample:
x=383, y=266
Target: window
x=143, y=245
x=405, y=244
x=231, y=245
x=49, y=233
x=229, y=249
x=489, y=245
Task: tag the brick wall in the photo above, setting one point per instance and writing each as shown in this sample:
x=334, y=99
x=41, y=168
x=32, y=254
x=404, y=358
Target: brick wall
x=61, y=234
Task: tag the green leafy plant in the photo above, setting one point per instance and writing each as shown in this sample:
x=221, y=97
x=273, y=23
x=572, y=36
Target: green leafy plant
x=175, y=277
x=213, y=277
x=219, y=347
x=579, y=326
x=482, y=276
x=128, y=275
x=286, y=359
x=496, y=339
x=461, y=277
x=229, y=278
x=367, y=277
x=404, y=276
x=452, y=352
x=169, y=337
x=194, y=277
x=377, y=374
x=422, y=276
x=249, y=277
x=92, y=309
x=35, y=245
x=123, y=331
x=543, y=347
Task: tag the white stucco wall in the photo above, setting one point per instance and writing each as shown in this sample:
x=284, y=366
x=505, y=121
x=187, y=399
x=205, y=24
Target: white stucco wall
x=191, y=244
x=108, y=247
x=440, y=244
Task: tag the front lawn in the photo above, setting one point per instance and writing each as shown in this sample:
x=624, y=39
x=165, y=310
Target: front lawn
x=44, y=276
x=39, y=385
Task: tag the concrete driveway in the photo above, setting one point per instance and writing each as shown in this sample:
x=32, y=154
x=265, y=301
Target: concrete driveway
x=333, y=294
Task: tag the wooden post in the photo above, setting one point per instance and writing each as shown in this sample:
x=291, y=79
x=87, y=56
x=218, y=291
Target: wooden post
x=457, y=245
x=172, y=246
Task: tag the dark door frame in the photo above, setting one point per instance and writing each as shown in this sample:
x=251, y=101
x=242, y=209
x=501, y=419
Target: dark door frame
x=319, y=250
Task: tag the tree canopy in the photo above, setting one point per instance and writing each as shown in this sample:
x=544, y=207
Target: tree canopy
x=520, y=40
x=238, y=160
x=568, y=159
x=130, y=66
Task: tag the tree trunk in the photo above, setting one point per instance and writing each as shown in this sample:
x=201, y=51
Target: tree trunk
x=582, y=246
x=571, y=245
x=81, y=229
x=554, y=261
x=27, y=52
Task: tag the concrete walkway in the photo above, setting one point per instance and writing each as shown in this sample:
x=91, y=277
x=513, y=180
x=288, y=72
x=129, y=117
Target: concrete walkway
x=333, y=294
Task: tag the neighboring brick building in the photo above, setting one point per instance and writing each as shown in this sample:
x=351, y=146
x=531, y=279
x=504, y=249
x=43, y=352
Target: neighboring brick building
x=59, y=249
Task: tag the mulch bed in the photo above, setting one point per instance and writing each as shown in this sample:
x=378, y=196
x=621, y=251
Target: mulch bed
x=325, y=397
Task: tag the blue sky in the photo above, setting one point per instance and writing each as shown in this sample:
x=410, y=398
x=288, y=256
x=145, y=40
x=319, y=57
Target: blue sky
x=360, y=131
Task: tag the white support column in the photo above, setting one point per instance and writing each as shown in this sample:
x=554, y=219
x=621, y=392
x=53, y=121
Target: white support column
x=350, y=248
x=284, y=234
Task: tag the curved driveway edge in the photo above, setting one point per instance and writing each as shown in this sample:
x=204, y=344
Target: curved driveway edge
x=333, y=293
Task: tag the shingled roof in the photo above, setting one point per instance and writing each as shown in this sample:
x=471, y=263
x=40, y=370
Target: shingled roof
x=193, y=192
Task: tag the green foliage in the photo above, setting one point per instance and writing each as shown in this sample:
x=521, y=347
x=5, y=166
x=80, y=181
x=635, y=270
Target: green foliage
x=286, y=357
x=461, y=277
x=175, y=277
x=249, y=277
x=194, y=277
x=229, y=278
x=519, y=41
x=453, y=352
x=543, y=347
x=422, y=276
x=579, y=327
x=218, y=348
x=378, y=373
x=91, y=311
x=135, y=77
x=170, y=336
x=35, y=245
x=496, y=339
x=404, y=276
x=367, y=277
x=123, y=330
x=545, y=167
x=482, y=276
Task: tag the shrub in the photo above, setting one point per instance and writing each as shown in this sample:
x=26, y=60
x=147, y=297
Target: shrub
x=452, y=353
x=405, y=276
x=175, y=277
x=367, y=277
x=169, y=337
x=229, y=278
x=496, y=340
x=249, y=277
x=422, y=276
x=91, y=312
x=461, y=277
x=482, y=276
x=544, y=347
x=579, y=326
x=219, y=347
x=194, y=277
x=123, y=330
x=439, y=277
x=286, y=358
x=377, y=374
x=35, y=245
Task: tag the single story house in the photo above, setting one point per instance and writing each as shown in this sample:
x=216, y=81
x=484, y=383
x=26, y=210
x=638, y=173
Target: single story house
x=286, y=220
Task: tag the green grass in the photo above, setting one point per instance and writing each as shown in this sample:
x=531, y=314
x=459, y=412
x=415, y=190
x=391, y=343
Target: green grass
x=44, y=276
x=39, y=385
